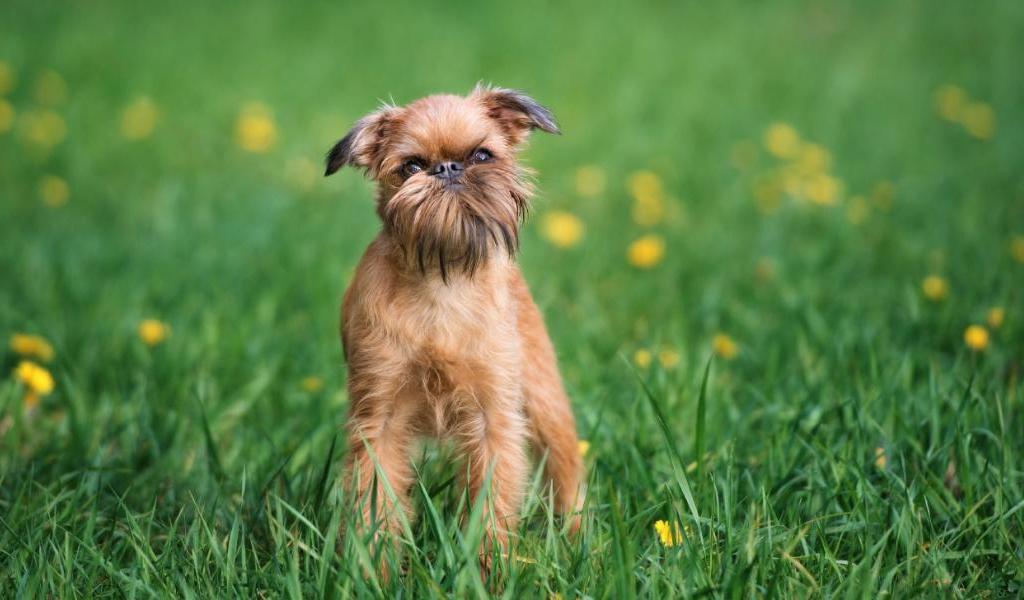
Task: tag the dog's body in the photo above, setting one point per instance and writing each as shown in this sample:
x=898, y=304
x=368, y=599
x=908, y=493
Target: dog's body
x=440, y=333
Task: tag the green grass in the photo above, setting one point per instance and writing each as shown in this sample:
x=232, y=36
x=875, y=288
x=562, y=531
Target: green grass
x=202, y=468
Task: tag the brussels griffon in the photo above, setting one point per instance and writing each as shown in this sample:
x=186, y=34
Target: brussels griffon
x=440, y=333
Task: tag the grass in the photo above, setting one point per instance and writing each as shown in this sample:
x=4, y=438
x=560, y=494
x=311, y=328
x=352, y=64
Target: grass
x=854, y=447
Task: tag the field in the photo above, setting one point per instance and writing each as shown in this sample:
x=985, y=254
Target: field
x=819, y=205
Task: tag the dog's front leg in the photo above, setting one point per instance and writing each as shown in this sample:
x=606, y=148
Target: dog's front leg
x=493, y=437
x=378, y=469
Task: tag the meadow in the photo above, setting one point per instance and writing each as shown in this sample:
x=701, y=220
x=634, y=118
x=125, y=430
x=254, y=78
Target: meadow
x=779, y=247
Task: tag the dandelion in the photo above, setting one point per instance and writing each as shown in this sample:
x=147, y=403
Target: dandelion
x=54, y=191
x=764, y=270
x=979, y=120
x=668, y=358
x=995, y=317
x=793, y=182
x=583, y=447
x=254, y=129
x=935, y=288
x=50, y=89
x=768, y=193
x=976, y=337
x=822, y=189
x=646, y=251
x=814, y=158
x=1017, y=248
x=949, y=101
x=725, y=346
x=302, y=173
x=31, y=346
x=6, y=116
x=312, y=384
x=858, y=210
x=138, y=119
x=782, y=140
x=36, y=380
x=880, y=459
x=670, y=535
x=561, y=228
x=42, y=128
x=153, y=331
x=743, y=154
x=6, y=78
x=648, y=198
x=590, y=181
x=642, y=358
x=881, y=195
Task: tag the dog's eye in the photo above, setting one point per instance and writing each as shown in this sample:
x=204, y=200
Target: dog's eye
x=482, y=155
x=411, y=167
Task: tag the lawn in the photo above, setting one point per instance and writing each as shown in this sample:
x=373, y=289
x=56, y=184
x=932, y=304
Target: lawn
x=819, y=205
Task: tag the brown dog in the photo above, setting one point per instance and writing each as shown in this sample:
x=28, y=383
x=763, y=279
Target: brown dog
x=440, y=333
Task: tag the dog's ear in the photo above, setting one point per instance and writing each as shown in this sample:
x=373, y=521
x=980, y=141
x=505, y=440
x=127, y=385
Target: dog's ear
x=361, y=146
x=515, y=112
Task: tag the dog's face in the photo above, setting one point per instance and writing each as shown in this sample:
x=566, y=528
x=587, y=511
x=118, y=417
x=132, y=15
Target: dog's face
x=450, y=189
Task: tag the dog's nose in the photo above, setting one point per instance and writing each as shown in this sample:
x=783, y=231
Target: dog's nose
x=447, y=170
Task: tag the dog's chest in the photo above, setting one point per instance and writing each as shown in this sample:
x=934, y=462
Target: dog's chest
x=441, y=322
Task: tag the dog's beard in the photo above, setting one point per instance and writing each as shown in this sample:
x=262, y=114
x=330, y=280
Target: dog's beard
x=458, y=227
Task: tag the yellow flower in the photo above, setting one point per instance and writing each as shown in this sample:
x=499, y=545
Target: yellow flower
x=782, y=140
x=302, y=173
x=814, y=158
x=312, y=384
x=768, y=193
x=880, y=459
x=995, y=317
x=590, y=181
x=6, y=78
x=668, y=358
x=138, y=119
x=152, y=331
x=646, y=251
x=976, y=337
x=254, y=129
x=42, y=128
x=792, y=181
x=1017, y=248
x=33, y=346
x=50, y=89
x=648, y=198
x=642, y=358
x=561, y=228
x=724, y=346
x=935, y=288
x=670, y=535
x=882, y=195
x=6, y=116
x=36, y=379
x=979, y=120
x=583, y=446
x=950, y=101
x=764, y=270
x=822, y=189
x=54, y=191
x=743, y=154
x=858, y=210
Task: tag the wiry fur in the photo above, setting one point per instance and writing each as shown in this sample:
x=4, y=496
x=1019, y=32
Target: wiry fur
x=440, y=333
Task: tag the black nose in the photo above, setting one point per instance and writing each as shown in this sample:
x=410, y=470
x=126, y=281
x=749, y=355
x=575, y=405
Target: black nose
x=447, y=170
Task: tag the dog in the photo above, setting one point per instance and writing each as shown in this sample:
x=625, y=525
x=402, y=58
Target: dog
x=439, y=330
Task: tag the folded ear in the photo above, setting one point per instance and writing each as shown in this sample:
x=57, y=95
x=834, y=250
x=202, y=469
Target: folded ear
x=516, y=112
x=361, y=146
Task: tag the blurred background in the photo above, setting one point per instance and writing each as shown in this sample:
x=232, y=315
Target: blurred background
x=825, y=196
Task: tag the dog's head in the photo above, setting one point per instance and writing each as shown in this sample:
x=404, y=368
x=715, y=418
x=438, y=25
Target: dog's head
x=450, y=189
